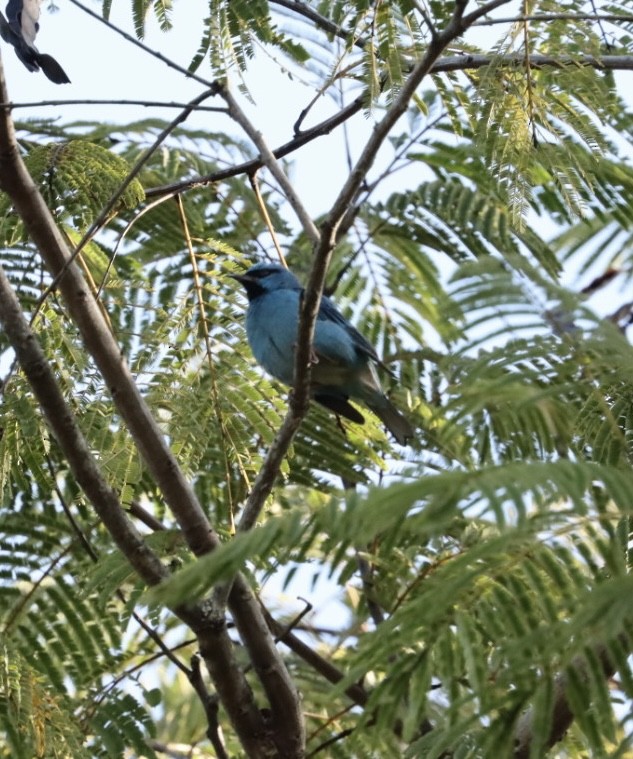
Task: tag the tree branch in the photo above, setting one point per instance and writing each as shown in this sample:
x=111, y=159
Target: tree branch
x=466, y=62
x=321, y=22
x=144, y=103
x=546, y=17
x=562, y=714
x=270, y=162
x=209, y=625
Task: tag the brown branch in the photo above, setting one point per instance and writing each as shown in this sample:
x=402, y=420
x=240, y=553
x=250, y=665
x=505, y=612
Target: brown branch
x=466, y=62
x=248, y=167
x=546, y=17
x=210, y=704
x=269, y=160
x=321, y=22
x=261, y=204
x=323, y=666
x=214, y=641
x=562, y=714
x=216, y=647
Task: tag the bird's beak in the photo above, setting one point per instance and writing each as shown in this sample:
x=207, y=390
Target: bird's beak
x=243, y=279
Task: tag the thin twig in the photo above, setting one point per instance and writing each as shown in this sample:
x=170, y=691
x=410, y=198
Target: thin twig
x=266, y=216
x=270, y=162
x=143, y=47
x=547, y=17
x=215, y=395
x=144, y=103
x=211, y=708
x=121, y=238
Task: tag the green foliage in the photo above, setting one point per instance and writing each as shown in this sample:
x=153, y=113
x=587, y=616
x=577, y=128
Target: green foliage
x=497, y=548
x=77, y=179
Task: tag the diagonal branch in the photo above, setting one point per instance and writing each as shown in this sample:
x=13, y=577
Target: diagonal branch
x=270, y=161
x=466, y=62
x=562, y=714
x=139, y=44
x=258, y=739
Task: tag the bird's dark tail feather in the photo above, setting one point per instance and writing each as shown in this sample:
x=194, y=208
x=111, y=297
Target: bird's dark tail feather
x=388, y=414
x=393, y=420
x=52, y=69
x=340, y=406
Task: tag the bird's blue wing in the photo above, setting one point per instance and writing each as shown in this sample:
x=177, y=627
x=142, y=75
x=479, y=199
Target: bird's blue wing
x=329, y=313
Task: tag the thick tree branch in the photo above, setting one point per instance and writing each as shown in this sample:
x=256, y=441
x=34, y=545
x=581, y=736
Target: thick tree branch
x=260, y=738
x=562, y=714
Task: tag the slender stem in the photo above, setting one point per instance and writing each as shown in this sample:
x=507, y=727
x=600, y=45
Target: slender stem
x=143, y=47
x=269, y=160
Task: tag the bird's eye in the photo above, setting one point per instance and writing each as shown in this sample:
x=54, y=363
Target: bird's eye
x=261, y=273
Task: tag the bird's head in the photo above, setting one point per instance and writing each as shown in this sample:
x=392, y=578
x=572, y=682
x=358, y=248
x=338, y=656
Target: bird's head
x=265, y=277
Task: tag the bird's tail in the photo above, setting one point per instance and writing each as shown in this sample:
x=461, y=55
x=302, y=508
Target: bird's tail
x=52, y=69
x=393, y=420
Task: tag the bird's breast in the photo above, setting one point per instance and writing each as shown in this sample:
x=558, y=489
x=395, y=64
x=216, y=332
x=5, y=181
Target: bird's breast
x=271, y=328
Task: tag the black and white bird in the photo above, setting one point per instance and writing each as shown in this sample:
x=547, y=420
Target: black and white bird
x=19, y=29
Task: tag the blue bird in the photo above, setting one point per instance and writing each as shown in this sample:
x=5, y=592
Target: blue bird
x=344, y=363
x=20, y=29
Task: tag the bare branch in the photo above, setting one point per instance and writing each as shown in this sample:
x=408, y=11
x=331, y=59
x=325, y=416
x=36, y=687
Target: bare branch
x=321, y=22
x=546, y=17
x=466, y=62
x=143, y=103
x=324, y=667
x=270, y=162
x=144, y=48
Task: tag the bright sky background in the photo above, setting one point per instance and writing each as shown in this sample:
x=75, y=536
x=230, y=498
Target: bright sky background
x=103, y=65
